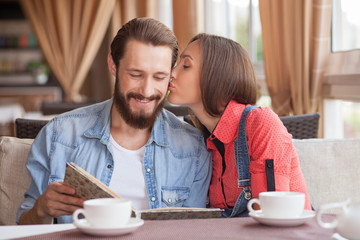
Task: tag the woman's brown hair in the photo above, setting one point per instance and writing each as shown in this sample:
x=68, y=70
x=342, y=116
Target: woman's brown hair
x=226, y=73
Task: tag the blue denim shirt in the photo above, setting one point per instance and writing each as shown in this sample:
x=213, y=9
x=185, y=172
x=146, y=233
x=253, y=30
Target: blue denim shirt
x=177, y=166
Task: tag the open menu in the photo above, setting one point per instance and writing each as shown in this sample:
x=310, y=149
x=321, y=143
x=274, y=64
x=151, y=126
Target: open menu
x=89, y=187
x=86, y=186
x=180, y=213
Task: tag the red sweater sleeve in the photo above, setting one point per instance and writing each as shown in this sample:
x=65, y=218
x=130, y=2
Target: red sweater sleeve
x=268, y=139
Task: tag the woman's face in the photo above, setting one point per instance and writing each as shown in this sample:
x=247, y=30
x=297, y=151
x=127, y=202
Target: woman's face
x=185, y=86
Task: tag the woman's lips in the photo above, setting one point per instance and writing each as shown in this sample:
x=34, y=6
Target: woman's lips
x=171, y=86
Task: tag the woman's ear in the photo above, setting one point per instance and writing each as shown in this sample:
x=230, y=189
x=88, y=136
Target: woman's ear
x=111, y=65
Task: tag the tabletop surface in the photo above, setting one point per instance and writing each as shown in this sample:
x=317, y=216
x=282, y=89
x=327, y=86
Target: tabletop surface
x=234, y=228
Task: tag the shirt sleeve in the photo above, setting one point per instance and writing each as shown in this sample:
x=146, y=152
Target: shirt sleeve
x=268, y=139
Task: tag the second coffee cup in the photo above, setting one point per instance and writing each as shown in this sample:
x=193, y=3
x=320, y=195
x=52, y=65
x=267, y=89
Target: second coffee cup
x=279, y=204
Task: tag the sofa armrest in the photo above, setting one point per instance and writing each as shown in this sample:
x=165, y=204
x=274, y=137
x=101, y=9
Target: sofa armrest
x=331, y=168
x=14, y=177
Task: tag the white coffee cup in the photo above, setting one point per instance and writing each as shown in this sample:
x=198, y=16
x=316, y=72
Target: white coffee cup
x=104, y=212
x=279, y=204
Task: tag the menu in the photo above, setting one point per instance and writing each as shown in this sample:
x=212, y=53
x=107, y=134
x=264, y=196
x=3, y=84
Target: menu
x=89, y=187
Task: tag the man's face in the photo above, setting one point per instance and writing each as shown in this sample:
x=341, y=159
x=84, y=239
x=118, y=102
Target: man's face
x=142, y=80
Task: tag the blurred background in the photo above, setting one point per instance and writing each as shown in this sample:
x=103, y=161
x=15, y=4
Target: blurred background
x=306, y=53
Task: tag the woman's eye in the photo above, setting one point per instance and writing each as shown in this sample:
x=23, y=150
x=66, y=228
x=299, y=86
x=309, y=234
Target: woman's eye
x=159, y=78
x=185, y=66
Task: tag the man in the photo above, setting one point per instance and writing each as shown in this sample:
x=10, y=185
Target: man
x=142, y=152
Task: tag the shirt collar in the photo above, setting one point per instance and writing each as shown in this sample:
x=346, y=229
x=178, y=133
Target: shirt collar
x=227, y=128
x=158, y=133
x=101, y=128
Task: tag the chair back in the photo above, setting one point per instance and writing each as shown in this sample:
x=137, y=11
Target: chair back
x=54, y=108
x=299, y=126
x=28, y=128
x=177, y=110
x=302, y=126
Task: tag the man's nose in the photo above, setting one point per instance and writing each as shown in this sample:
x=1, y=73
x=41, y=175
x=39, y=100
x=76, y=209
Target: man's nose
x=147, y=88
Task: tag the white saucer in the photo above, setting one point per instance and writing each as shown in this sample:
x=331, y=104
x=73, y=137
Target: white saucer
x=337, y=236
x=133, y=224
x=282, y=222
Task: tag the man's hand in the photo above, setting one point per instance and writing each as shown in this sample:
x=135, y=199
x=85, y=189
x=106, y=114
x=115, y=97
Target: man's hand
x=56, y=201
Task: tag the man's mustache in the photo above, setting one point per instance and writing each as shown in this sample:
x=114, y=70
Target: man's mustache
x=141, y=97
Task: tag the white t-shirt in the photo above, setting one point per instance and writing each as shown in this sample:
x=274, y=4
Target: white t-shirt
x=128, y=176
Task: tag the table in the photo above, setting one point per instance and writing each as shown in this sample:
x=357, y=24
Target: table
x=220, y=228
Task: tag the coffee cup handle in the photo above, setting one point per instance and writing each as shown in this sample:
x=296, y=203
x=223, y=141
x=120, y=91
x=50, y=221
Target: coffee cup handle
x=76, y=216
x=250, y=204
x=137, y=214
x=322, y=208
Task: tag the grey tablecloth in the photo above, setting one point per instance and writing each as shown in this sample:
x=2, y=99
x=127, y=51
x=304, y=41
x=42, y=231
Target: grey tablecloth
x=235, y=228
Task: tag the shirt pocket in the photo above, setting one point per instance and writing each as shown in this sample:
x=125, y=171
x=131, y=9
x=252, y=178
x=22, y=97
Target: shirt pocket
x=175, y=196
x=54, y=178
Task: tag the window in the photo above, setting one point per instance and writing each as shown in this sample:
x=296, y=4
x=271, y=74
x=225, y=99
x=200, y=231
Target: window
x=240, y=21
x=342, y=101
x=345, y=25
x=342, y=119
x=351, y=113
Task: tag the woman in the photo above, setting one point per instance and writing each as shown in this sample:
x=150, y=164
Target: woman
x=215, y=79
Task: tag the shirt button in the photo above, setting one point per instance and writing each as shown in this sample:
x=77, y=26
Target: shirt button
x=153, y=199
x=148, y=169
x=169, y=200
x=109, y=166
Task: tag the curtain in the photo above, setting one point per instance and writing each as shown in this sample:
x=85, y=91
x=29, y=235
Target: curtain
x=124, y=11
x=188, y=20
x=296, y=44
x=69, y=33
x=188, y=16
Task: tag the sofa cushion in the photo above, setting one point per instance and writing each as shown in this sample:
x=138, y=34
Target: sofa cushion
x=14, y=177
x=331, y=168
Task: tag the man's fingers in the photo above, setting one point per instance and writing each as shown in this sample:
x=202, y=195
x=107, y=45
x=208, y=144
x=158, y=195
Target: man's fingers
x=60, y=187
x=64, y=194
x=58, y=200
x=61, y=209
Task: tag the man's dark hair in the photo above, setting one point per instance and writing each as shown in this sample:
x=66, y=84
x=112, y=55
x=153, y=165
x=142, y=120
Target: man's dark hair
x=145, y=30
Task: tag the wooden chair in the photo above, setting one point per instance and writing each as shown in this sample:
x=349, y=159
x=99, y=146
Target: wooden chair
x=302, y=126
x=177, y=110
x=299, y=126
x=28, y=128
x=51, y=108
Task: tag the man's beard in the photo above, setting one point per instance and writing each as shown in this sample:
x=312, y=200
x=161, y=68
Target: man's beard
x=137, y=120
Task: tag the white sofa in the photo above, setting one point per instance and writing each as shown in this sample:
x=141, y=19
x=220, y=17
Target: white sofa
x=14, y=177
x=331, y=169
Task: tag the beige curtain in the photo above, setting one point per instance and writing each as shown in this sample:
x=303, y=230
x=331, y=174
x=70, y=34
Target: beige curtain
x=69, y=33
x=124, y=11
x=296, y=43
x=188, y=20
x=188, y=16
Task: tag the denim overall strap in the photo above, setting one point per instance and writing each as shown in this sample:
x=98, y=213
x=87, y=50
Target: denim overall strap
x=243, y=164
x=242, y=152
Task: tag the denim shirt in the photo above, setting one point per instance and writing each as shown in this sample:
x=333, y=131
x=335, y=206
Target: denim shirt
x=177, y=167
